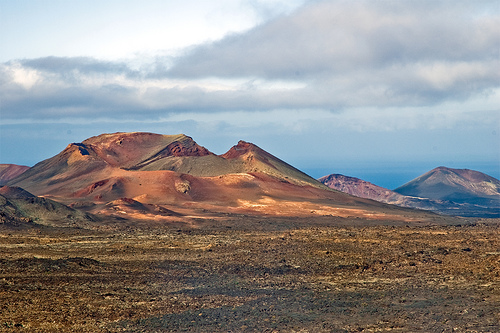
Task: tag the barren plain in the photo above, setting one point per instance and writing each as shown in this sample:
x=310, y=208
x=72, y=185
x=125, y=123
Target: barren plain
x=254, y=274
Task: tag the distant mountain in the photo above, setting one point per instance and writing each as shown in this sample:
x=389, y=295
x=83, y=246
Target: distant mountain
x=358, y=187
x=448, y=191
x=10, y=171
x=458, y=185
x=142, y=174
x=364, y=189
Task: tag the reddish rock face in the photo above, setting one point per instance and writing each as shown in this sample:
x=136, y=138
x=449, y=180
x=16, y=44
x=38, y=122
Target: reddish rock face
x=135, y=150
x=240, y=149
x=180, y=149
x=357, y=187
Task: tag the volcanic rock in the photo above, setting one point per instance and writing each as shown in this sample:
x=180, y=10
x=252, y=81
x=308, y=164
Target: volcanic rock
x=19, y=206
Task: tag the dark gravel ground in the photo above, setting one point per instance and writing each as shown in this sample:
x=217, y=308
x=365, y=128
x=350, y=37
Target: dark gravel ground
x=301, y=279
x=401, y=309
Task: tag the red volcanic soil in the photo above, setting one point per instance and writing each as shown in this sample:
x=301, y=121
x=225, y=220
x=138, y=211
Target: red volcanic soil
x=10, y=171
x=244, y=193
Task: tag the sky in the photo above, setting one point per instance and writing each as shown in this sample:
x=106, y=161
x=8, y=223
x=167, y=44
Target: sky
x=380, y=90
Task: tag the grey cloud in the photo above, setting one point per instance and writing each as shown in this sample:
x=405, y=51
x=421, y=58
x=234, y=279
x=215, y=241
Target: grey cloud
x=45, y=100
x=80, y=65
x=52, y=87
x=199, y=100
x=334, y=37
x=350, y=42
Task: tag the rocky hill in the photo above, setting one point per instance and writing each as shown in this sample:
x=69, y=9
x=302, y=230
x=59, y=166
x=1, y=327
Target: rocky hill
x=20, y=208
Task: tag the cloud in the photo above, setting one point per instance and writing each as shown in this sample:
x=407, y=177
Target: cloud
x=77, y=65
x=37, y=89
x=391, y=52
x=54, y=87
x=318, y=85
x=356, y=58
x=335, y=37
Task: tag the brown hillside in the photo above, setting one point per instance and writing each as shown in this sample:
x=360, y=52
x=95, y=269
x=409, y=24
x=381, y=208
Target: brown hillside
x=10, y=171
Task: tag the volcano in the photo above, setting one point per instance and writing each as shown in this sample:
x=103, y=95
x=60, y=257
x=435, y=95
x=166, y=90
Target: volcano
x=457, y=185
x=109, y=159
x=105, y=174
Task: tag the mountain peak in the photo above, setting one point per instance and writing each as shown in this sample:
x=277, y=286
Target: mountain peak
x=240, y=149
x=460, y=185
x=135, y=150
x=470, y=175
